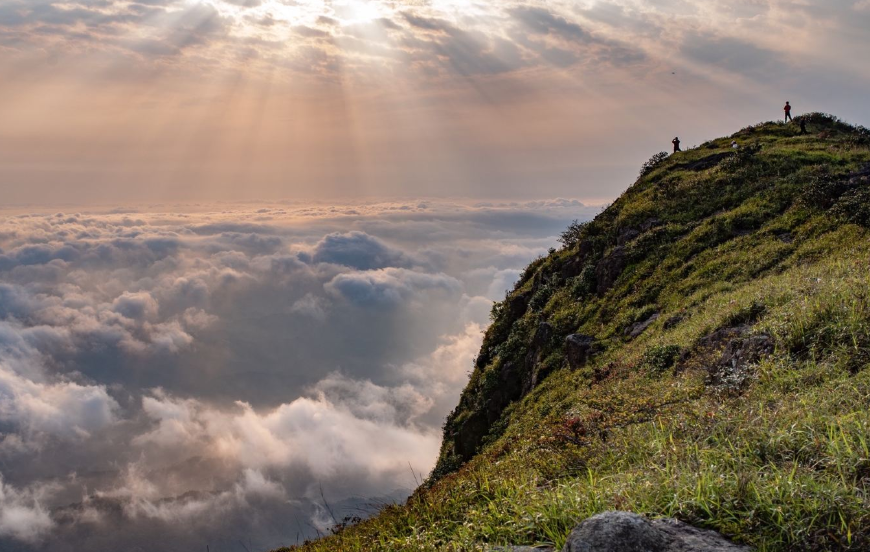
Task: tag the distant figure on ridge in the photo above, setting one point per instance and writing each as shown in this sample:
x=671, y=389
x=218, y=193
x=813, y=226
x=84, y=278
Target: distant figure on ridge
x=787, y=110
x=803, y=126
x=676, y=143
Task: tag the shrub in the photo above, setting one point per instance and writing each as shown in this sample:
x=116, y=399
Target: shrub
x=541, y=297
x=821, y=192
x=573, y=234
x=585, y=283
x=659, y=358
x=854, y=207
x=652, y=163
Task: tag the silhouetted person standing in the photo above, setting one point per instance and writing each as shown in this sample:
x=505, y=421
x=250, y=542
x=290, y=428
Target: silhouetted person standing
x=787, y=110
x=676, y=143
x=803, y=126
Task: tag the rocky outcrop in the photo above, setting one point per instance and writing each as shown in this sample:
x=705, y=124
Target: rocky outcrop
x=579, y=349
x=730, y=354
x=609, y=269
x=628, y=532
x=535, y=372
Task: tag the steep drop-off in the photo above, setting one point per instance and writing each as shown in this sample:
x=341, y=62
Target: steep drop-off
x=700, y=350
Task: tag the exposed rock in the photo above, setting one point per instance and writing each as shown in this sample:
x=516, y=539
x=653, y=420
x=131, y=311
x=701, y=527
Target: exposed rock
x=731, y=372
x=629, y=234
x=785, y=237
x=649, y=224
x=628, y=532
x=609, y=269
x=579, y=349
x=573, y=267
x=542, y=335
x=626, y=235
x=517, y=305
x=534, y=371
x=731, y=352
x=638, y=328
x=469, y=434
x=674, y=320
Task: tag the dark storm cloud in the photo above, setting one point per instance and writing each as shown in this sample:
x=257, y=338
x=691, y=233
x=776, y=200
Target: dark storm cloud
x=199, y=376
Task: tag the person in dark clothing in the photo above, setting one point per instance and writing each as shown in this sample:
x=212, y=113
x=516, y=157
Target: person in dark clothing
x=676, y=143
x=803, y=126
x=787, y=110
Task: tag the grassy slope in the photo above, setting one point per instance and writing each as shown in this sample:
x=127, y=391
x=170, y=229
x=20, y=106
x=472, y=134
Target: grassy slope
x=777, y=455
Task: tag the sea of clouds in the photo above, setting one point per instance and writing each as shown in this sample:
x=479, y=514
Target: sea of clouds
x=177, y=377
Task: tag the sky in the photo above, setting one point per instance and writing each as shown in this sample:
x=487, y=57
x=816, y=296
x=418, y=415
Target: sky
x=237, y=100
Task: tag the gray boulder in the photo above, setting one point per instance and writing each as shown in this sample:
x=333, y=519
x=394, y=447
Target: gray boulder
x=579, y=349
x=628, y=532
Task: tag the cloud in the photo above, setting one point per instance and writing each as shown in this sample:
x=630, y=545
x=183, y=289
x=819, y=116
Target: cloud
x=311, y=306
x=358, y=250
x=732, y=54
x=137, y=306
x=181, y=374
x=64, y=409
x=21, y=515
x=389, y=287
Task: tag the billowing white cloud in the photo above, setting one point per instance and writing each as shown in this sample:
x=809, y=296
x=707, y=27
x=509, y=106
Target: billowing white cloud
x=21, y=515
x=211, y=368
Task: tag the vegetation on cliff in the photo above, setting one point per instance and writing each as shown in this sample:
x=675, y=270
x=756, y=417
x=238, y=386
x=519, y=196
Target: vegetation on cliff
x=700, y=350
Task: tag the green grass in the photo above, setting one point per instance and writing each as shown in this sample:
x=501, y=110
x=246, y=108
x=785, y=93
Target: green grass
x=778, y=458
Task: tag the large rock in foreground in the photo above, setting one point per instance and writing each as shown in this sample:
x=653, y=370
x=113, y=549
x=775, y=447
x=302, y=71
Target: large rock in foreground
x=627, y=532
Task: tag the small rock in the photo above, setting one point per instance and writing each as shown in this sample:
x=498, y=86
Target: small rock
x=579, y=349
x=674, y=320
x=638, y=328
x=628, y=532
x=649, y=224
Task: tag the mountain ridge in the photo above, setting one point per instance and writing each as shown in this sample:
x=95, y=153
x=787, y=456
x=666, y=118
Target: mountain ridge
x=698, y=351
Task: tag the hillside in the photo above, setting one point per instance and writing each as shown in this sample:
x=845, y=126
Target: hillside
x=699, y=350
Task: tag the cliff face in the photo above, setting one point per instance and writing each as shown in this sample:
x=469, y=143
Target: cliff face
x=712, y=218
x=699, y=351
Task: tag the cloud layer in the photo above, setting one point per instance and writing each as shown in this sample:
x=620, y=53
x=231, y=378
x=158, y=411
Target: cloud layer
x=202, y=374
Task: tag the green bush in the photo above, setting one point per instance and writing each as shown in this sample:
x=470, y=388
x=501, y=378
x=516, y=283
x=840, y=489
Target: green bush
x=653, y=162
x=659, y=358
x=572, y=235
